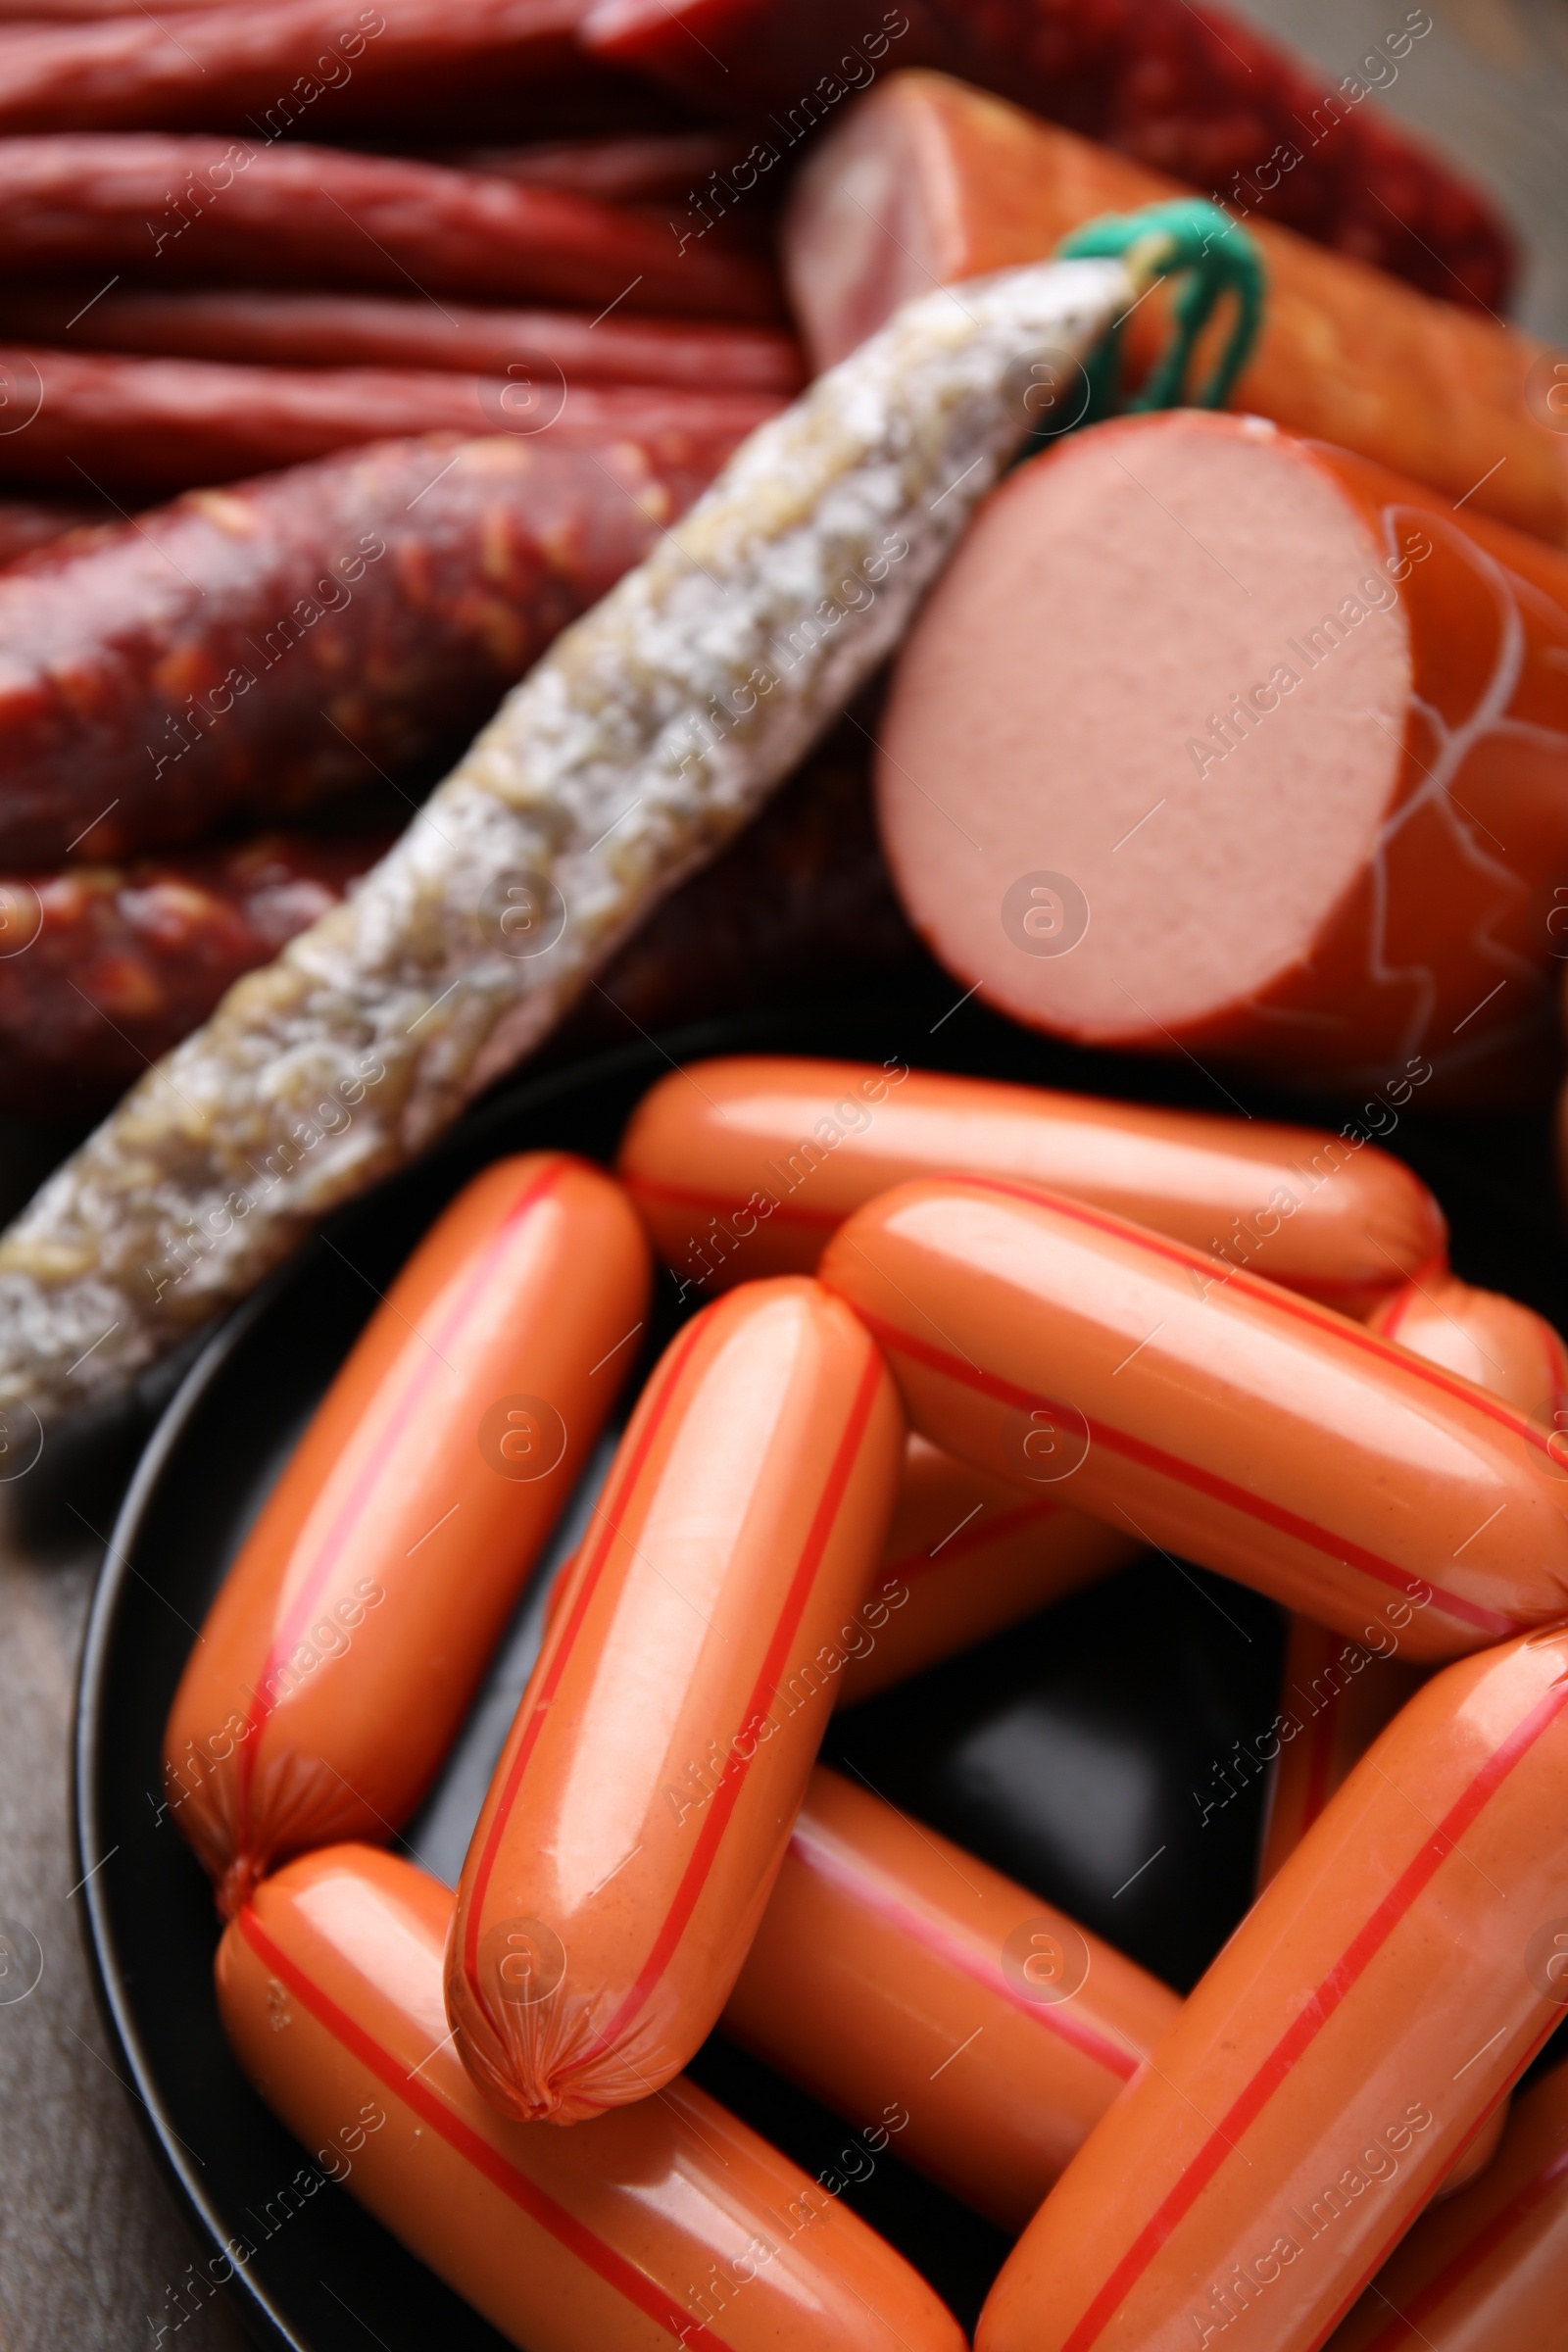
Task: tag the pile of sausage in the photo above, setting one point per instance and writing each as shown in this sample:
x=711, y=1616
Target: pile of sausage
x=962, y=1348
x=431, y=322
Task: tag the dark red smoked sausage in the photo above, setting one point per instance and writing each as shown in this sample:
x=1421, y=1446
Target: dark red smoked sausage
x=26, y=523
x=282, y=330
x=279, y=63
x=103, y=968
x=260, y=646
x=1195, y=92
x=149, y=426
x=293, y=214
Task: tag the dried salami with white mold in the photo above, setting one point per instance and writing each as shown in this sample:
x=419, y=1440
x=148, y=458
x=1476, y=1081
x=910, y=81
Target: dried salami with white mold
x=651, y=732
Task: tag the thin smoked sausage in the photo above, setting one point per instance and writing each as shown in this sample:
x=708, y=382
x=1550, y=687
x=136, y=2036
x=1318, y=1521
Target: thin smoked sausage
x=264, y=645
x=290, y=329
x=210, y=209
x=154, y=425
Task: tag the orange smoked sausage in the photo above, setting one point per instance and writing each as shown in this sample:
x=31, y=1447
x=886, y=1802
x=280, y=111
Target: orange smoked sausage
x=669, y=2222
x=644, y=1799
x=966, y=1555
x=894, y=1973
x=1486, y=1337
x=1338, y=1697
x=345, y=1643
x=1490, y=2271
x=748, y=1165
x=1356, y=2031
x=1245, y=1428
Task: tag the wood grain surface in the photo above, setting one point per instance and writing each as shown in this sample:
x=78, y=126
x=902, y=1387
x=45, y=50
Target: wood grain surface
x=92, y=2252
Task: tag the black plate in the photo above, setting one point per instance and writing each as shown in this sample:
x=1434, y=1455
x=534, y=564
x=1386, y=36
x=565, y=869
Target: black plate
x=1067, y=1754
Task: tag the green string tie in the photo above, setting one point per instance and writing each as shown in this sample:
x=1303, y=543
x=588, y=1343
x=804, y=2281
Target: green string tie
x=1213, y=255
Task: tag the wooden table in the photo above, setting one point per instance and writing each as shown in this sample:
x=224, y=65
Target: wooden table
x=91, y=2249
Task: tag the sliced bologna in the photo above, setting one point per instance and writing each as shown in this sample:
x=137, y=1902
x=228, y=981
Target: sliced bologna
x=345, y=1643
x=898, y=1979
x=1354, y=2036
x=668, y=2223
x=1217, y=742
x=1223, y=1418
x=748, y=1165
x=642, y=1805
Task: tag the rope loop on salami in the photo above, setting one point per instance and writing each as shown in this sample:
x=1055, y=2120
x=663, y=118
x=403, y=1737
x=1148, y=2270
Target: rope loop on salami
x=1213, y=256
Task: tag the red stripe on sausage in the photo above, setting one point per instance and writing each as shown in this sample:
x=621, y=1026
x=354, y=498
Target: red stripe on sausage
x=1405, y=2325
x=958, y=1545
x=373, y=1470
x=1321, y=1751
x=1395, y=2235
x=1203, y=1482
x=654, y=1188
x=607, y=2264
x=651, y=1188
x=871, y=1888
x=1309, y=2022
x=604, y=1537
x=766, y=1688
x=1272, y=1293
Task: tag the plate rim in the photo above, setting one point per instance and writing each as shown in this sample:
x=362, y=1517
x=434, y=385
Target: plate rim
x=751, y=1031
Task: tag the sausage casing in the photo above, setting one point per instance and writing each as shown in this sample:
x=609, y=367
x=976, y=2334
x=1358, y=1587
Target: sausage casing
x=1484, y=1336
x=267, y=644
x=667, y=2223
x=751, y=1169
x=115, y=964
x=151, y=426
x=966, y=1557
x=892, y=1970
x=1488, y=2271
x=1211, y=1412
x=643, y=1802
x=1335, y=1697
x=1359, y=2028
x=291, y=329
x=346, y=1640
